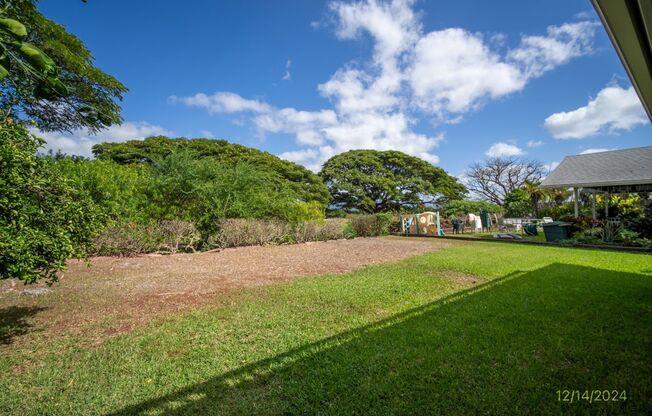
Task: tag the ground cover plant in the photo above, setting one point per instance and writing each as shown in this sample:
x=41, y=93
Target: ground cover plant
x=475, y=327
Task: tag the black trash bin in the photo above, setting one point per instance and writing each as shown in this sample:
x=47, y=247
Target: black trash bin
x=557, y=230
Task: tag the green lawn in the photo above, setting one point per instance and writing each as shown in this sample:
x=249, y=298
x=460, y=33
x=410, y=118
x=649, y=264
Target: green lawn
x=477, y=328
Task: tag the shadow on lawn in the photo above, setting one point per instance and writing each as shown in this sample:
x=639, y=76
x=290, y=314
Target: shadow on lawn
x=14, y=322
x=506, y=346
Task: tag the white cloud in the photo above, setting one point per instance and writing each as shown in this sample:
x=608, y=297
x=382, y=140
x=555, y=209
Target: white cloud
x=300, y=156
x=585, y=14
x=503, y=150
x=80, y=142
x=206, y=134
x=589, y=151
x=453, y=70
x=306, y=125
x=287, y=76
x=613, y=109
x=392, y=24
x=535, y=143
x=381, y=132
x=549, y=167
x=221, y=102
x=410, y=74
x=539, y=54
x=456, y=71
x=354, y=91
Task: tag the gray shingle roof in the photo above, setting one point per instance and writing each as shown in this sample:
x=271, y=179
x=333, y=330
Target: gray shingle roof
x=616, y=167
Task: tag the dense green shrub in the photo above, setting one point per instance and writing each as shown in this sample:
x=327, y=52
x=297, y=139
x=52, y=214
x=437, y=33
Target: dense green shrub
x=588, y=236
x=119, y=190
x=518, y=204
x=44, y=220
x=581, y=223
x=556, y=212
x=642, y=223
x=204, y=192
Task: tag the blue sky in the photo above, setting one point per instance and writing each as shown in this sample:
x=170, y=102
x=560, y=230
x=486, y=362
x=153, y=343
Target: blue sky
x=451, y=82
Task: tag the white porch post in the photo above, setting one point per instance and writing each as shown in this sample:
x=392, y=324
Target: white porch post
x=593, y=204
x=606, y=205
x=575, y=197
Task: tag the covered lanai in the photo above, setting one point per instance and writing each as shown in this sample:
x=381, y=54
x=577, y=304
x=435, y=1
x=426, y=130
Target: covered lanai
x=616, y=171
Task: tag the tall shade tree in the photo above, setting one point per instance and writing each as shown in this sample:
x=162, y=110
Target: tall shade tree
x=77, y=94
x=375, y=181
x=494, y=178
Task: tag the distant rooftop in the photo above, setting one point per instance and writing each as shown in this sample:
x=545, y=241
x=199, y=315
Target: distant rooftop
x=616, y=170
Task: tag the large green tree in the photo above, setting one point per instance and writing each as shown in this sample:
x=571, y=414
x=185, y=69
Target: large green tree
x=76, y=94
x=307, y=185
x=44, y=220
x=377, y=181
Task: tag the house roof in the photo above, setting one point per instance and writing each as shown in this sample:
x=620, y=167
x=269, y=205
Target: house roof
x=629, y=25
x=615, y=170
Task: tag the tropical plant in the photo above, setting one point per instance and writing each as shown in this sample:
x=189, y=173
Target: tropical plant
x=536, y=194
x=610, y=232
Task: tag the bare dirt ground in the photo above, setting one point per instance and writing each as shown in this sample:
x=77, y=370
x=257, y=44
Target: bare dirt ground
x=117, y=294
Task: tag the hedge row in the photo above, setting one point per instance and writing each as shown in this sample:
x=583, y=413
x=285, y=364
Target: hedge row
x=169, y=237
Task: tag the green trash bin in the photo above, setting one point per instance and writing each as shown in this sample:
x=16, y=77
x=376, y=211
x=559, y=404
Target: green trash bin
x=557, y=230
x=531, y=229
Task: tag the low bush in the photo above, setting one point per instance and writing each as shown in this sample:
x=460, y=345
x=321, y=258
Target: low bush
x=252, y=232
x=333, y=229
x=177, y=236
x=130, y=239
x=330, y=229
x=580, y=223
x=238, y=232
x=371, y=225
x=133, y=239
x=590, y=236
x=172, y=236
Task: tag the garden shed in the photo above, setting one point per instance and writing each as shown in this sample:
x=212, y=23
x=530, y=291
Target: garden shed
x=615, y=171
